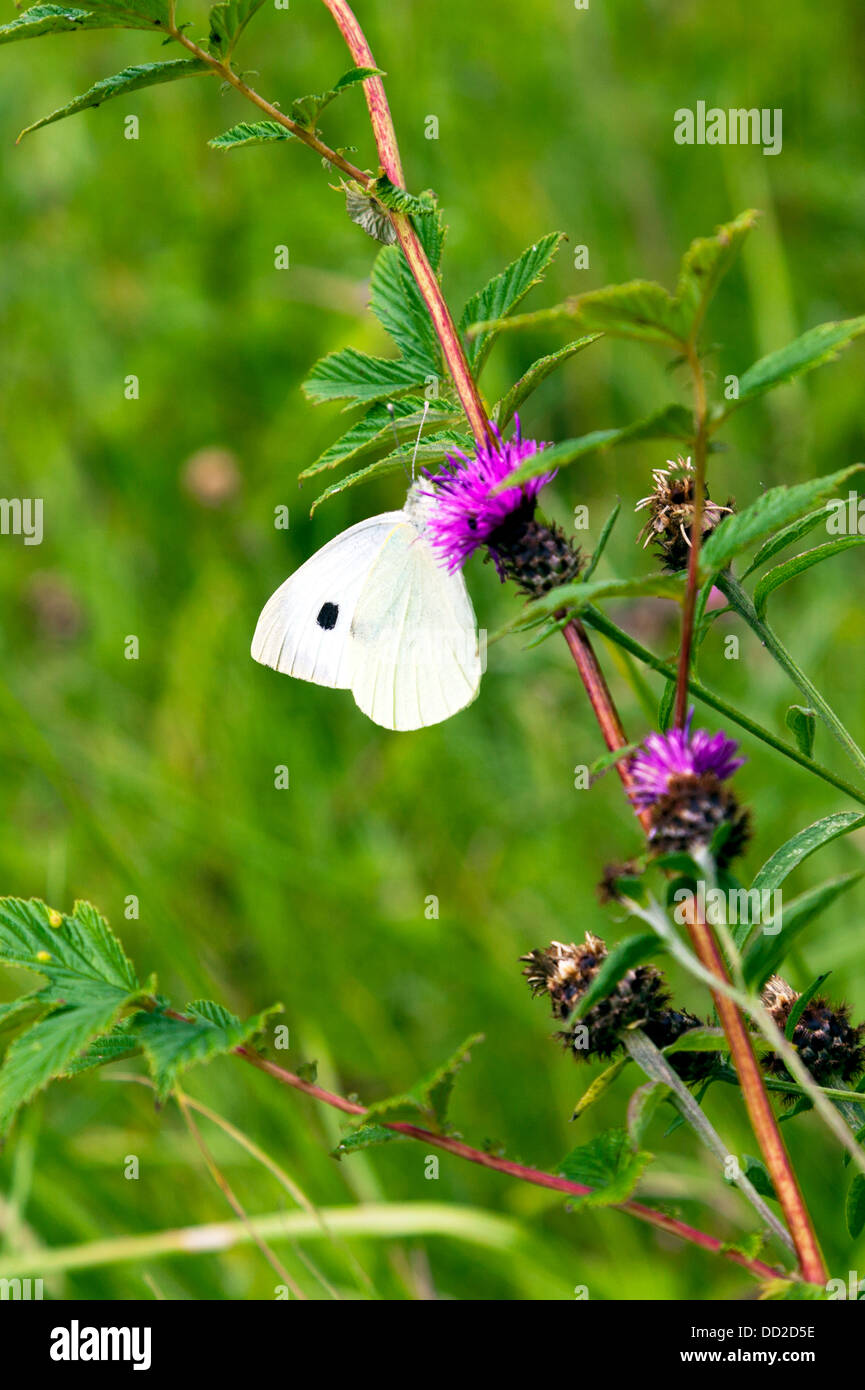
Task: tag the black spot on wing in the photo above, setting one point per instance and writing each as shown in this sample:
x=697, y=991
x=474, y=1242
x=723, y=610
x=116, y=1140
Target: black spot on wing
x=327, y=616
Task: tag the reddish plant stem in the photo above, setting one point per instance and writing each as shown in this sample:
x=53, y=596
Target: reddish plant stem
x=760, y=1112
x=600, y=698
x=689, y=610
x=427, y=281
x=535, y=1176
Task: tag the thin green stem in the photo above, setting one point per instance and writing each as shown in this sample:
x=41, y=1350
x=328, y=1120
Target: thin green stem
x=741, y=601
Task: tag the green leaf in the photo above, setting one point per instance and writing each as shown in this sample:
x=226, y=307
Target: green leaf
x=250, y=133
x=812, y=349
x=171, y=1045
x=20, y=1013
x=668, y=422
x=786, y=536
x=802, y=724
x=63, y=19
x=400, y=200
x=768, y=950
x=538, y=372
x=641, y=1109
x=706, y=262
x=640, y=309
x=227, y=23
x=600, y=1085
x=355, y=376
x=758, y=1175
x=129, y=80
x=667, y=705
x=367, y=212
x=112, y=1047
x=399, y=307
x=772, y=510
x=501, y=295
x=698, y=1040
x=305, y=111
x=854, y=1209
x=429, y=1098
x=377, y=429
x=623, y=957
x=610, y=759
x=77, y=954
x=797, y=565
x=132, y=14
x=606, y=532
x=797, y=1011
x=430, y=451
x=804, y=843
x=48, y=1048
x=609, y=1164
x=580, y=594
x=366, y=1137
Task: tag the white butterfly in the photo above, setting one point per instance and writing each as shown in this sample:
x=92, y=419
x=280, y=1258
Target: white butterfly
x=375, y=612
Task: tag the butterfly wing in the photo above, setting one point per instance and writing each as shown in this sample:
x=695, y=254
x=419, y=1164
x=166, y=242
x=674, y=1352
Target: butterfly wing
x=414, y=652
x=305, y=627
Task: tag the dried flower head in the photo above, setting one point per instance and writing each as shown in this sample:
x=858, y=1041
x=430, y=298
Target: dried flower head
x=830, y=1046
x=678, y=777
x=466, y=513
x=671, y=513
x=639, y=999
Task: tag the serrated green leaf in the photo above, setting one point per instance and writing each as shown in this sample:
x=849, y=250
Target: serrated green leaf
x=366, y=1137
x=80, y=952
x=133, y=14
x=439, y=1088
x=20, y=1013
x=353, y=376
x=609, y=1164
x=802, y=844
x=668, y=422
x=768, y=950
x=854, y=1207
x=227, y=22
x=780, y=574
x=698, y=1040
x=706, y=262
x=642, y=1107
x=802, y=724
x=622, y=958
x=305, y=111
x=774, y=509
x=786, y=536
x=47, y=1049
x=537, y=373
x=400, y=200
x=129, y=80
x=501, y=295
x=814, y=348
x=431, y=450
x=644, y=310
x=610, y=759
x=112, y=1047
x=399, y=307
x=377, y=428
x=63, y=19
x=172, y=1045
x=250, y=133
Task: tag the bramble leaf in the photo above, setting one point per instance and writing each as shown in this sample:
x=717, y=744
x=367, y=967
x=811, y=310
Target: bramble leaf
x=227, y=22
x=355, y=376
x=171, y=1045
x=250, y=133
x=814, y=348
x=366, y=1137
x=609, y=1164
x=129, y=80
x=671, y=421
x=538, y=372
x=501, y=295
x=66, y=19
x=305, y=111
x=772, y=510
x=399, y=307
x=376, y=429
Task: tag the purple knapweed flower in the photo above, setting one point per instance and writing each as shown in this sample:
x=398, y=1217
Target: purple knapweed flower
x=464, y=514
x=679, y=753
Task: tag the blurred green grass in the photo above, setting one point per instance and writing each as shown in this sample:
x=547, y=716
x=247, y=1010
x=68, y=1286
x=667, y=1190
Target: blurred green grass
x=155, y=258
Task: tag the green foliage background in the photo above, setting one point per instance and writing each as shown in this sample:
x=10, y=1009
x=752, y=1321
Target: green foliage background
x=155, y=778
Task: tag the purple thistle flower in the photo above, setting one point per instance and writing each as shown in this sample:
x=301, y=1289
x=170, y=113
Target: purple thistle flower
x=464, y=514
x=679, y=753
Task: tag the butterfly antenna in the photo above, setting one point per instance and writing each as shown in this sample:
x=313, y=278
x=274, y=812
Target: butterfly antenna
x=419, y=433
x=391, y=413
